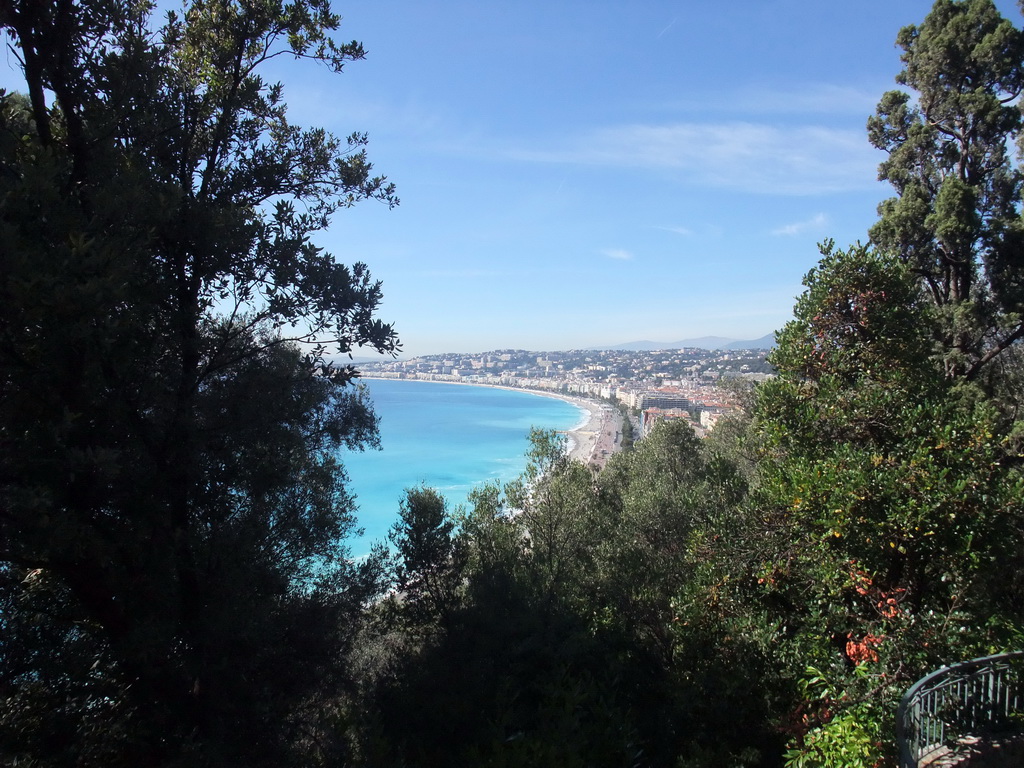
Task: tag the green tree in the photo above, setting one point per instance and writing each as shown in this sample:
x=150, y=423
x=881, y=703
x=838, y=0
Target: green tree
x=555, y=507
x=430, y=557
x=655, y=498
x=705, y=687
x=885, y=513
x=172, y=511
x=531, y=684
x=956, y=220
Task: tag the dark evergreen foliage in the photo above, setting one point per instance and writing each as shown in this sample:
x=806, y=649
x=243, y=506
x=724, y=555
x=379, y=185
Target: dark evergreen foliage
x=175, y=586
x=957, y=218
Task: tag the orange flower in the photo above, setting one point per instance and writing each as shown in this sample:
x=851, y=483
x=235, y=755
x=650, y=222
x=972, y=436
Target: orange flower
x=859, y=651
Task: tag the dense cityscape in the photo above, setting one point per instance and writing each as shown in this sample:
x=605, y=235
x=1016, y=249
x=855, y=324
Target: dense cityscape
x=693, y=383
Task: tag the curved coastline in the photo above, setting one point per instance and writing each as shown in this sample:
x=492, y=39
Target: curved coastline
x=587, y=440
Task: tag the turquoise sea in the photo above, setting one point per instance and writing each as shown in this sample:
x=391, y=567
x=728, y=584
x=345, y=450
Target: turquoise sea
x=451, y=437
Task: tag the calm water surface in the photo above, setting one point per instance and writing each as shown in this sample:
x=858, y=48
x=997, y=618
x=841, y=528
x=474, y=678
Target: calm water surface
x=451, y=437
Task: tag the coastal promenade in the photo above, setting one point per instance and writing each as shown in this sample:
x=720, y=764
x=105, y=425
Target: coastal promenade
x=595, y=441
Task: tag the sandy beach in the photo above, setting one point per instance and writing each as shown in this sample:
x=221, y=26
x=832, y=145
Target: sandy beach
x=596, y=438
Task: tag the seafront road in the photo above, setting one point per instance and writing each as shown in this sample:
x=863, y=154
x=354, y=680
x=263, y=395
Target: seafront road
x=596, y=440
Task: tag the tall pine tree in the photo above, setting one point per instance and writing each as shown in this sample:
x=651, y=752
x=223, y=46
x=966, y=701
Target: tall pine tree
x=956, y=220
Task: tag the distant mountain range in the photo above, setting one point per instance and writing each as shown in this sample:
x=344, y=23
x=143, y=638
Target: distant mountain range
x=704, y=342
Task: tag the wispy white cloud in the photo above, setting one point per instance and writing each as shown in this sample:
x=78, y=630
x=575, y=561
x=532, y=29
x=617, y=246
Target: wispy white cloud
x=750, y=157
x=813, y=98
x=818, y=221
x=678, y=230
x=666, y=28
x=806, y=99
x=316, y=100
x=618, y=254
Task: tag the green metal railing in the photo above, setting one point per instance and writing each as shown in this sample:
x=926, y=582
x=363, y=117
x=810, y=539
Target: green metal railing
x=981, y=698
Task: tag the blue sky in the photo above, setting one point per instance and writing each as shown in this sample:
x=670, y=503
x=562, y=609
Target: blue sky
x=585, y=172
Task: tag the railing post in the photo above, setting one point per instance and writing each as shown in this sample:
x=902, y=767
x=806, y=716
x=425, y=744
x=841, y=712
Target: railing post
x=972, y=698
